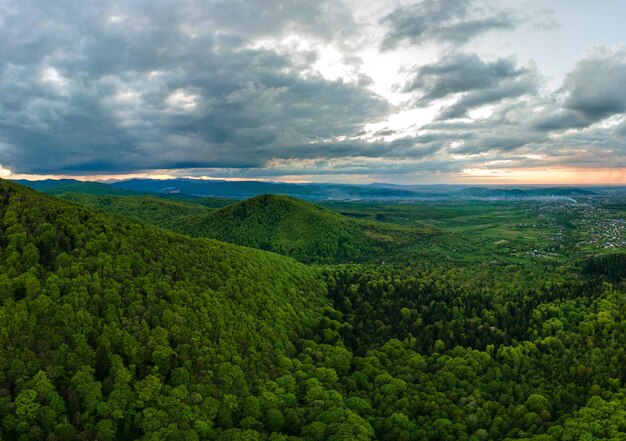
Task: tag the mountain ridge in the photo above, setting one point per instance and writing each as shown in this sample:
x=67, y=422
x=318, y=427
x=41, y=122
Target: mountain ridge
x=313, y=191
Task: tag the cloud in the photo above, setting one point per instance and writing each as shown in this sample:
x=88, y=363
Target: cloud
x=407, y=147
x=471, y=80
x=345, y=167
x=579, y=125
x=447, y=21
x=620, y=131
x=274, y=88
x=109, y=87
x=591, y=93
x=555, y=120
x=595, y=87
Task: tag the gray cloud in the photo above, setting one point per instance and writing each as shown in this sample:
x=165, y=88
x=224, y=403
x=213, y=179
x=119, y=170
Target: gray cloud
x=390, y=168
x=558, y=120
x=112, y=87
x=525, y=122
x=449, y=21
x=477, y=82
x=595, y=87
x=592, y=91
x=325, y=19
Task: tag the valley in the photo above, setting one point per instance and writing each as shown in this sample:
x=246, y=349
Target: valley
x=125, y=318
x=303, y=220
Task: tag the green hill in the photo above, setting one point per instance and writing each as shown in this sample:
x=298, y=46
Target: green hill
x=281, y=224
x=284, y=225
x=113, y=330
x=165, y=213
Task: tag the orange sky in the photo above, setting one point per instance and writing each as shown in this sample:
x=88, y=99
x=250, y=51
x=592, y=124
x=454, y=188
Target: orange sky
x=554, y=176
x=500, y=176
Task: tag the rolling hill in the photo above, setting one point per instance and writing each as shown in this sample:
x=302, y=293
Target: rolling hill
x=116, y=330
x=248, y=189
x=281, y=224
x=516, y=193
x=284, y=225
x=120, y=330
x=159, y=211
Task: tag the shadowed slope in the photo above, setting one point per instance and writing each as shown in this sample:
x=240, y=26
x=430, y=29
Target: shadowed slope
x=116, y=327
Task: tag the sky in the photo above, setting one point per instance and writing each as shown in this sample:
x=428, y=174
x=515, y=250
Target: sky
x=430, y=91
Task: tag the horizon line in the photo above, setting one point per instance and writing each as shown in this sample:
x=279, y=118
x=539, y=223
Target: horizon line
x=342, y=183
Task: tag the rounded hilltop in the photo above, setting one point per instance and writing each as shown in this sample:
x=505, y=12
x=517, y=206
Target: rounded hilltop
x=284, y=225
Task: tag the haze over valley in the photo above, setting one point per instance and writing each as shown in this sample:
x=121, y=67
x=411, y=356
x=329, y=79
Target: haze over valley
x=297, y=220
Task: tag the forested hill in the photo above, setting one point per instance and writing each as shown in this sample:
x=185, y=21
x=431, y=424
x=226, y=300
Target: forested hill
x=281, y=224
x=284, y=225
x=165, y=213
x=118, y=331
x=114, y=330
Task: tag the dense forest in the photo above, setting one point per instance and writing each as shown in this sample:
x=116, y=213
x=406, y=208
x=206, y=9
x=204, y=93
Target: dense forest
x=280, y=224
x=113, y=329
x=165, y=213
x=285, y=225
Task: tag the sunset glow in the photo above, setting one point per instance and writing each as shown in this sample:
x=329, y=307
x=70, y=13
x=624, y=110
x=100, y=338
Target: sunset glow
x=412, y=92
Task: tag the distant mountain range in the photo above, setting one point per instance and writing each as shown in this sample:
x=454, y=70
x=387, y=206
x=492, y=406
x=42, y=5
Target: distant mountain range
x=312, y=191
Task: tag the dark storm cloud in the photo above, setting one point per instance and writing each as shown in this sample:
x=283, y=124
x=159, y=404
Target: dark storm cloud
x=412, y=147
x=110, y=87
x=595, y=87
x=558, y=120
x=478, y=82
x=450, y=21
x=113, y=87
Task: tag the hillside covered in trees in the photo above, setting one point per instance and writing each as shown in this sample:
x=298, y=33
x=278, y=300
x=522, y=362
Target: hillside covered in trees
x=115, y=330
x=168, y=213
x=286, y=226
x=280, y=224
